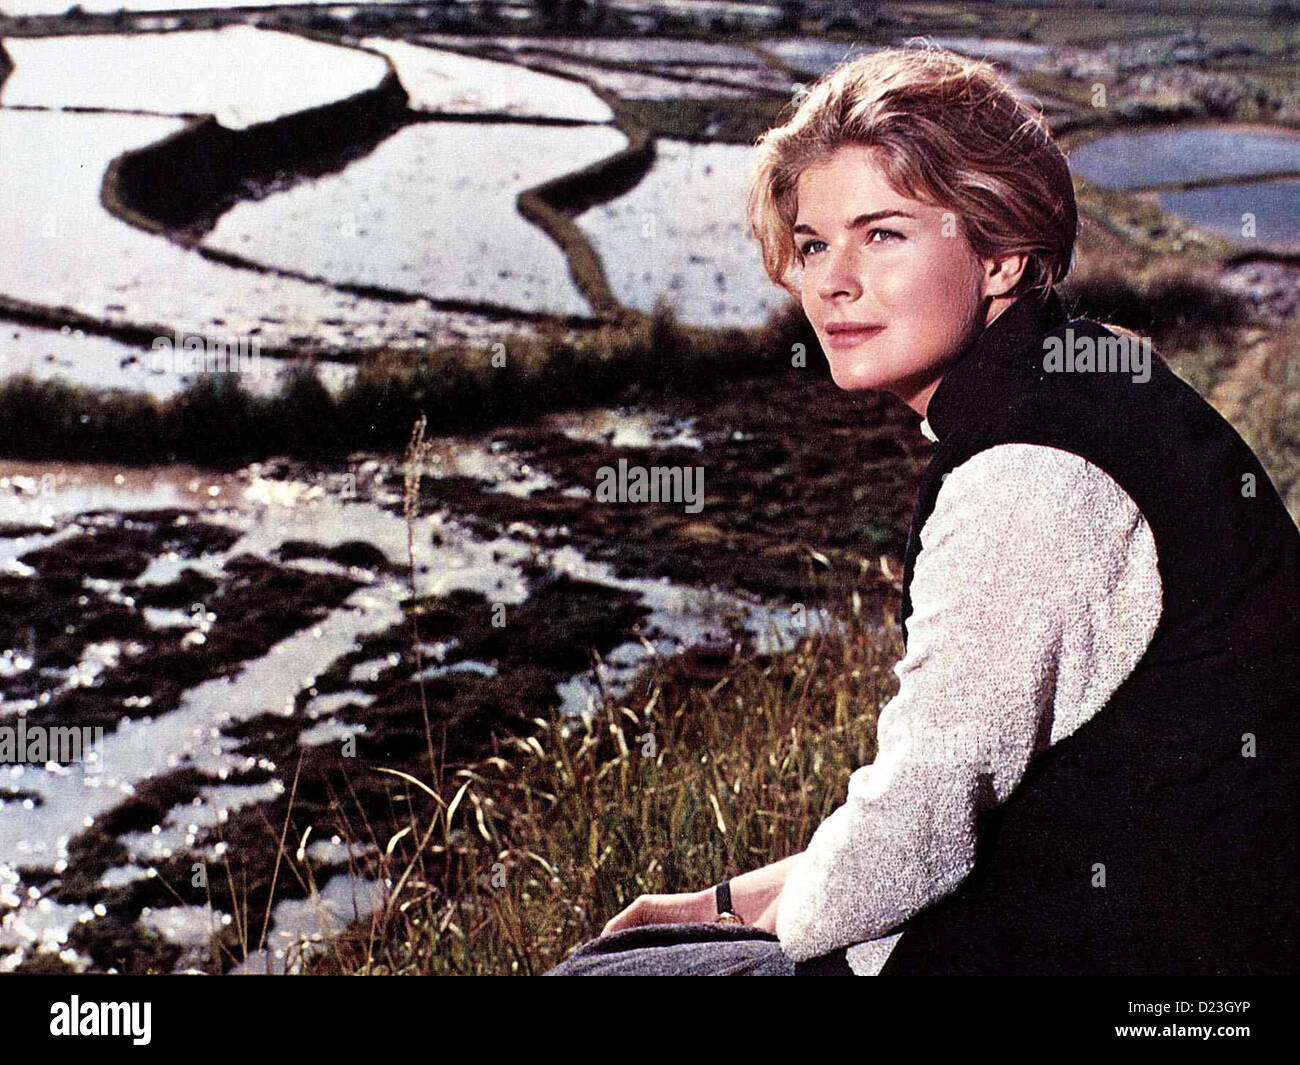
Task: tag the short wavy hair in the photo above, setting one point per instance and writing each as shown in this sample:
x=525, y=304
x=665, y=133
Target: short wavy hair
x=950, y=132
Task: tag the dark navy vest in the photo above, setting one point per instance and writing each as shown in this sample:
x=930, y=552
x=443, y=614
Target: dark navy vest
x=1185, y=786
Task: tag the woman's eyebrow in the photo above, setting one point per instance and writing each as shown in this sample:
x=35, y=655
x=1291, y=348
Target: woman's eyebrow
x=860, y=221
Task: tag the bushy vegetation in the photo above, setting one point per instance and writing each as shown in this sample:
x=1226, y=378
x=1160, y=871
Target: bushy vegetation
x=1198, y=326
x=1169, y=306
x=216, y=422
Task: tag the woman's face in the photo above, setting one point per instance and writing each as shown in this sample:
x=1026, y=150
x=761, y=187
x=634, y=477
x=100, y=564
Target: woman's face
x=891, y=285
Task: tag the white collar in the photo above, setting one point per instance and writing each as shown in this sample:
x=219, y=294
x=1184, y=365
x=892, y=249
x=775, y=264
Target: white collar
x=927, y=432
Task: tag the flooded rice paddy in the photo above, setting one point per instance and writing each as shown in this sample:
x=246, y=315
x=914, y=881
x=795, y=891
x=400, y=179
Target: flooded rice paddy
x=681, y=233
x=664, y=51
x=1272, y=209
x=430, y=211
x=63, y=249
x=84, y=360
x=1226, y=169
x=447, y=82
x=639, y=85
x=235, y=73
x=1148, y=158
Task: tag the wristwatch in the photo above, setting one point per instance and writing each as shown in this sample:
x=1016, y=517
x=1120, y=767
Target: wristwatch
x=726, y=915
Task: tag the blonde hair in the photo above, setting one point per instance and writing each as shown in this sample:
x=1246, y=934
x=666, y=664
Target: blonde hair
x=951, y=132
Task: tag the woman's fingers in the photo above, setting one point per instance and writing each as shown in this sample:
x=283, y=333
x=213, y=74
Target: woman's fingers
x=661, y=909
x=627, y=918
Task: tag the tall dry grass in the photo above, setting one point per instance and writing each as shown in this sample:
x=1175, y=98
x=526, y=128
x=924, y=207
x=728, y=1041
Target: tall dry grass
x=667, y=789
x=516, y=859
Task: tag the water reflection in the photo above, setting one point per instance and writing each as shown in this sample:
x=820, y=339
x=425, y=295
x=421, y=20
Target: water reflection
x=1142, y=159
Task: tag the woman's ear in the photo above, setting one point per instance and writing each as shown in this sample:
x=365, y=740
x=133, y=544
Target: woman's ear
x=1002, y=275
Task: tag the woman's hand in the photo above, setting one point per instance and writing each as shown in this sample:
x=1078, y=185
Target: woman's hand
x=665, y=909
x=758, y=891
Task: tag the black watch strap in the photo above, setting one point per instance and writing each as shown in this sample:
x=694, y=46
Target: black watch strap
x=723, y=893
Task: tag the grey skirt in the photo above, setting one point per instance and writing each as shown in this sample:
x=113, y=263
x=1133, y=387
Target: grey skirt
x=688, y=949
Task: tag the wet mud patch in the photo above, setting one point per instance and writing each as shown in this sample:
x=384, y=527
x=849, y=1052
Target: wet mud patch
x=819, y=472
x=351, y=553
x=275, y=635
x=469, y=712
x=67, y=613
x=257, y=604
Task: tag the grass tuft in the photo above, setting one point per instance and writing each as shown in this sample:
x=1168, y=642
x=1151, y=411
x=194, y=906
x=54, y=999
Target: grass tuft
x=669, y=789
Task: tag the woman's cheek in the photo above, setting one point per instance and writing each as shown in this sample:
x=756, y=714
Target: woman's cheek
x=908, y=275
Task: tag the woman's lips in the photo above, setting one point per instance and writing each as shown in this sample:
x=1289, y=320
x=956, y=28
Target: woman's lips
x=849, y=338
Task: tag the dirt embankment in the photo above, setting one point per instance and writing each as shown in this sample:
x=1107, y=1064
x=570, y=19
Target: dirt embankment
x=553, y=205
x=182, y=184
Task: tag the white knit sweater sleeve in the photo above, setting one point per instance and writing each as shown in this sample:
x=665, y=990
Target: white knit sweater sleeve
x=1035, y=593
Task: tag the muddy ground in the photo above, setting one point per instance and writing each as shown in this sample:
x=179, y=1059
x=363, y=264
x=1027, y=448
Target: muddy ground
x=793, y=468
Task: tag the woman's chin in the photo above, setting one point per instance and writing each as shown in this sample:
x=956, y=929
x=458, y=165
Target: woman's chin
x=855, y=377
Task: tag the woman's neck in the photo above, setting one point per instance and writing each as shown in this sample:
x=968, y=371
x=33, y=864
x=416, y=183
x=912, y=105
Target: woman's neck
x=919, y=399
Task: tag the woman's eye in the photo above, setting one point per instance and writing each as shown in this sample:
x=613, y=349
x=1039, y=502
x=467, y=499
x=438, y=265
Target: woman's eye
x=875, y=236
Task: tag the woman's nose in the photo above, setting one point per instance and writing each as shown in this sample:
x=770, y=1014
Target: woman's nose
x=839, y=275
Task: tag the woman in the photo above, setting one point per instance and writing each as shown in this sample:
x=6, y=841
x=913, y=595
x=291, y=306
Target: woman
x=1092, y=762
